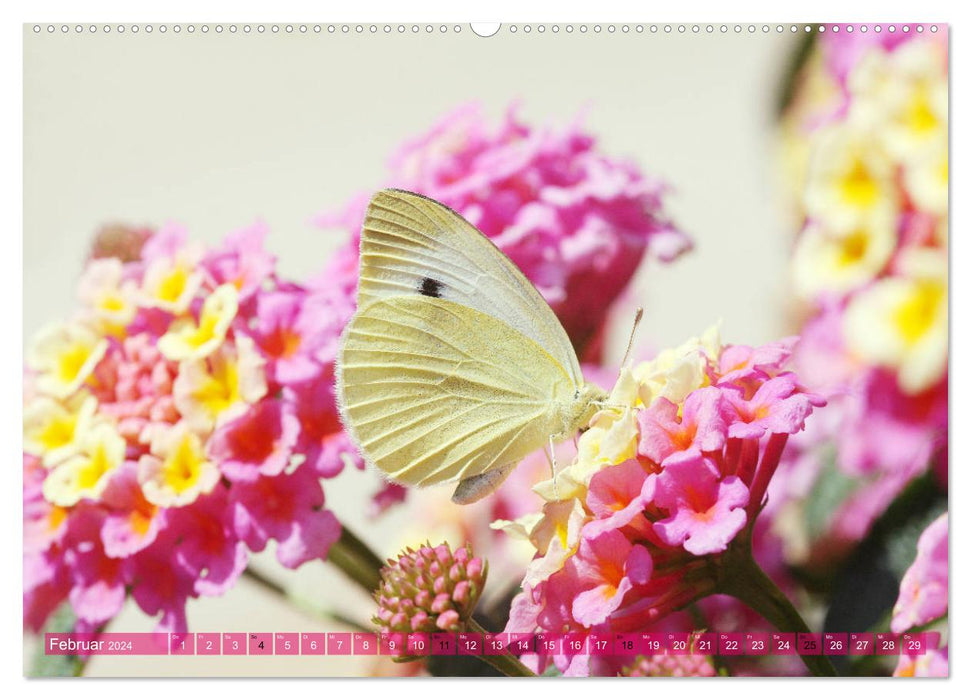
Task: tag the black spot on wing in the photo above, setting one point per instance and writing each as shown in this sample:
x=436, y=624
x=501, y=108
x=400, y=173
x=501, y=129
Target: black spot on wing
x=430, y=288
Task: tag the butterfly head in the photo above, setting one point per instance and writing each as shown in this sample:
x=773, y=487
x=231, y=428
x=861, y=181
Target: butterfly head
x=586, y=402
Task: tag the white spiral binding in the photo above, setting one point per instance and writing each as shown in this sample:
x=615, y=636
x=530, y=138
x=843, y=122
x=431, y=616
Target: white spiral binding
x=122, y=29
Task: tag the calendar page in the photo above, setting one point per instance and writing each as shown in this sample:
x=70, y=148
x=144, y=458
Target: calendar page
x=391, y=349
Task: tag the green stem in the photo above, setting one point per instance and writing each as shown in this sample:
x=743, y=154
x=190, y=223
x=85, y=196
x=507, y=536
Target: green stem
x=265, y=582
x=741, y=577
x=506, y=663
x=354, y=558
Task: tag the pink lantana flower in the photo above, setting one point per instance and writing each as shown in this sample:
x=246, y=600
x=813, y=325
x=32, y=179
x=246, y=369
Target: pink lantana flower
x=778, y=407
x=131, y=522
x=606, y=568
x=241, y=260
x=707, y=511
x=97, y=582
x=739, y=363
x=208, y=546
x=932, y=664
x=322, y=440
x=260, y=441
x=617, y=497
x=160, y=586
x=288, y=331
x=287, y=508
x=702, y=425
x=924, y=588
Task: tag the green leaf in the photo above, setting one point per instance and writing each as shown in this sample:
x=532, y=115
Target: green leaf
x=50, y=666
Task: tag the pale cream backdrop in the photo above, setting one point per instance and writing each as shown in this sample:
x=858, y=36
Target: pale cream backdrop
x=217, y=130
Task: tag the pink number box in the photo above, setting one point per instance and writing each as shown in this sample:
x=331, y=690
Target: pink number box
x=522, y=643
x=835, y=643
x=783, y=643
x=365, y=643
x=393, y=643
x=679, y=643
x=260, y=644
x=861, y=644
x=286, y=643
x=313, y=643
x=469, y=643
x=653, y=643
x=627, y=644
x=600, y=644
x=418, y=644
x=704, y=643
x=207, y=643
x=757, y=643
x=340, y=643
x=731, y=643
x=913, y=644
x=182, y=643
x=549, y=643
x=443, y=644
x=234, y=643
x=574, y=643
x=887, y=644
x=809, y=643
x=496, y=644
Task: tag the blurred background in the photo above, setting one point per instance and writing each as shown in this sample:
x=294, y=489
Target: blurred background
x=218, y=131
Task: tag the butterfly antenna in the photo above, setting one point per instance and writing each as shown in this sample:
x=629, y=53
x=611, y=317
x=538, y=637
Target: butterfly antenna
x=638, y=315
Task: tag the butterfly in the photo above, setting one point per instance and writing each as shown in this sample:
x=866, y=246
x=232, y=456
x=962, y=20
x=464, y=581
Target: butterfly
x=454, y=367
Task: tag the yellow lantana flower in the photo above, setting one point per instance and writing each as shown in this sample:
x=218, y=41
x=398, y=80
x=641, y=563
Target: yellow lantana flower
x=177, y=471
x=86, y=475
x=851, y=179
x=676, y=372
x=840, y=262
x=216, y=388
x=187, y=340
x=171, y=283
x=64, y=356
x=901, y=321
x=926, y=179
x=555, y=533
x=54, y=430
x=109, y=298
x=905, y=91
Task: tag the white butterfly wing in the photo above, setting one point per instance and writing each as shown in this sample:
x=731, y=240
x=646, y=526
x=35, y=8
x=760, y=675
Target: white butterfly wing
x=414, y=245
x=435, y=391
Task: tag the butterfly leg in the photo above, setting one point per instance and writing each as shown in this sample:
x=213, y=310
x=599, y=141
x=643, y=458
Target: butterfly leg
x=475, y=488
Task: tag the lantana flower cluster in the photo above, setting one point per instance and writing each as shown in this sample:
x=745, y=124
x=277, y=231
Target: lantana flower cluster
x=669, y=474
x=870, y=264
x=575, y=221
x=179, y=420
